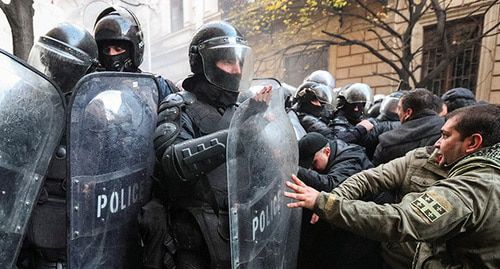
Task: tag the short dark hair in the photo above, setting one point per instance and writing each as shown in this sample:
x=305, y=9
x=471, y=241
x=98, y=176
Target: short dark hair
x=419, y=100
x=482, y=119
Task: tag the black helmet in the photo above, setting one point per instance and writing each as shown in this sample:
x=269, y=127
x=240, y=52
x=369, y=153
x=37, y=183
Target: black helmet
x=65, y=54
x=389, y=105
x=355, y=93
x=310, y=91
x=354, y=99
x=118, y=25
x=318, y=91
x=220, y=41
x=322, y=77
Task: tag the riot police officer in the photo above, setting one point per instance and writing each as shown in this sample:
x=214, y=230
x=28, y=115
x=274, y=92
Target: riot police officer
x=348, y=123
x=321, y=77
x=120, y=39
x=313, y=107
x=190, y=144
x=386, y=120
x=48, y=55
x=65, y=54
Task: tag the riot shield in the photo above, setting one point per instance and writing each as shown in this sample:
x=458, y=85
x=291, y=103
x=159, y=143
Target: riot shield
x=297, y=127
x=256, y=85
x=111, y=158
x=262, y=154
x=31, y=126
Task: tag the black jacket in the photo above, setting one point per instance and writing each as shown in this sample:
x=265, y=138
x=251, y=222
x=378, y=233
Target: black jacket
x=371, y=140
x=343, y=129
x=344, y=161
x=314, y=124
x=423, y=130
x=322, y=246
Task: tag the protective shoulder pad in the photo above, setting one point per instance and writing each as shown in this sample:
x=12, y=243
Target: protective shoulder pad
x=178, y=99
x=172, y=105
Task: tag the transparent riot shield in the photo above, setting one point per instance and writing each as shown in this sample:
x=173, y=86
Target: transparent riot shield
x=111, y=158
x=31, y=126
x=262, y=154
x=297, y=127
x=256, y=85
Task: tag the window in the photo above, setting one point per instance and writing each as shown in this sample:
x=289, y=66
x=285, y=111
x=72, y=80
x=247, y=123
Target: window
x=463, y=70
x=299, y=65
x=176, y=15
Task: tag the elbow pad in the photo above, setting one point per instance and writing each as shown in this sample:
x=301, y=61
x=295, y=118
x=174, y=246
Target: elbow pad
x=190, y=159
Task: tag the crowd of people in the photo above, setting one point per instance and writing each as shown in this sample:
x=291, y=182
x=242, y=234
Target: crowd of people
x=414, y=183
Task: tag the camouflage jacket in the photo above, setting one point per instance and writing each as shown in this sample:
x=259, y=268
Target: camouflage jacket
x=414, y=172
x=456, y=218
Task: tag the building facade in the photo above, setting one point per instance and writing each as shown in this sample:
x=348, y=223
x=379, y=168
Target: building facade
x=476, y=67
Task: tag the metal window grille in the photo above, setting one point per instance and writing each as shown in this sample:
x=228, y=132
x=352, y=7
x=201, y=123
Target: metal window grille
x=462, y=71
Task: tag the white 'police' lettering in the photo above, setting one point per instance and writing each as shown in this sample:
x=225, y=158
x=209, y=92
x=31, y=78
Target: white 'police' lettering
x=264, y=217
x=117, y=200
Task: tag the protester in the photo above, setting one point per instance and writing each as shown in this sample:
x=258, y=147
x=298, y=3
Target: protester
x=455, y=219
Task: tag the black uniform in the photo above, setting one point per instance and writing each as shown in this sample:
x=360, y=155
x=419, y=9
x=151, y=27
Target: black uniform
x=314, y=124
x=199, y=208
x=45, y=241
x=346, y=131
x=190, y=146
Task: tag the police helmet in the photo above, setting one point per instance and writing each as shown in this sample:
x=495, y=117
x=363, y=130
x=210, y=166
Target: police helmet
x=220, y=42
x=65, y=54
x=355, y=93
x=318, y=91
x=118, y=25
x=322, y=77
x=389, y=105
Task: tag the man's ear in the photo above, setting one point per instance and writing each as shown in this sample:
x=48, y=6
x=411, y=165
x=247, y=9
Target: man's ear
x=473, y=143
x=328, y=151
x=408, y=113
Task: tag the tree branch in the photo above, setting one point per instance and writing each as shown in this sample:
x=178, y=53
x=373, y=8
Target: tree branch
x=382, y=25
x=386, y=76
x=372, y=50
x=384, y=44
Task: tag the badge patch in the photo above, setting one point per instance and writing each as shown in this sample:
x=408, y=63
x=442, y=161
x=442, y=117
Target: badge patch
x=429, y=207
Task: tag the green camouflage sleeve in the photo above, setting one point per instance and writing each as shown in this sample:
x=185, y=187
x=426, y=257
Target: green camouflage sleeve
x=423, y=216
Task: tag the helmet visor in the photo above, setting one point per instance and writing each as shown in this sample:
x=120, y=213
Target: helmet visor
x=61, y=66
x=228, y=65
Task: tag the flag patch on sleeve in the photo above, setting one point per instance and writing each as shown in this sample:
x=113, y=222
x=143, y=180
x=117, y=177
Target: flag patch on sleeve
x=429, y=207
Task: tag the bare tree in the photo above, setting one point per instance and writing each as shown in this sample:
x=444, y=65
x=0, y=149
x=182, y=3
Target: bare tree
x=392, y=22
x=19, y=14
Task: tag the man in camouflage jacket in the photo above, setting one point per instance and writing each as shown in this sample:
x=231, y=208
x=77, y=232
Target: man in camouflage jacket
x=455, y=219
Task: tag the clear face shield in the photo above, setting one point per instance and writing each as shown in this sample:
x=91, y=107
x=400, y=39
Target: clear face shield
x=227, y=63
x=63, y=64
x=325, y=96
x=320, y=96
